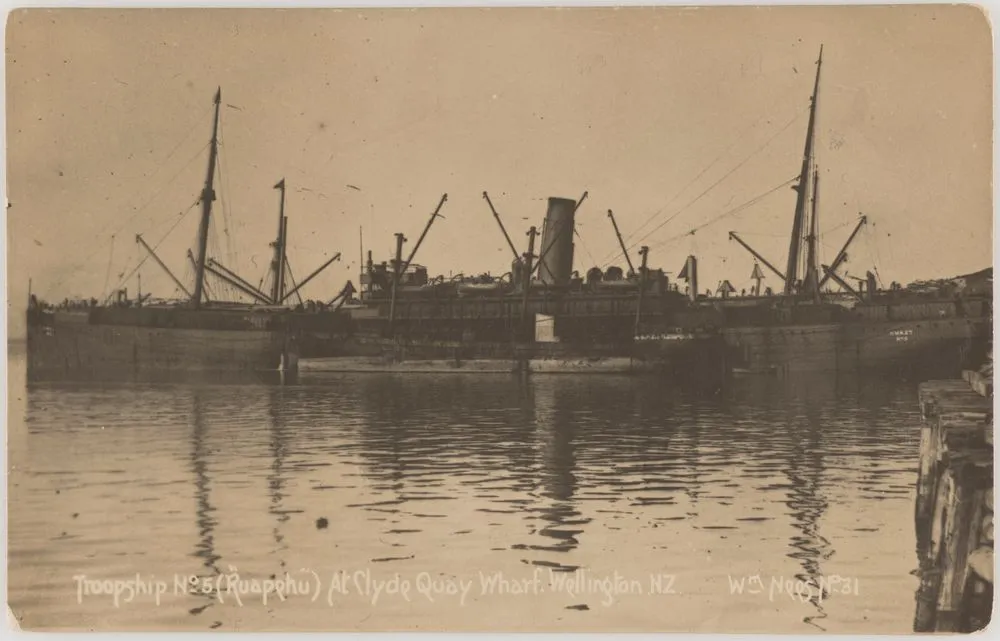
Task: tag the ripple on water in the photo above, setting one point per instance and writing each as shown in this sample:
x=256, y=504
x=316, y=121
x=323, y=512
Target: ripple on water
x=582, y=476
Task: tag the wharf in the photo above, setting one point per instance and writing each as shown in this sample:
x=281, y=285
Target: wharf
x=582, y=365
x=954, y=505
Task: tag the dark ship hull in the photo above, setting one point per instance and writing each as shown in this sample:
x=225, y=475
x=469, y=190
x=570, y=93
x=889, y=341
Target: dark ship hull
x=556, y=334
x=899, y=334
x=196, y=340
x=938, y=347
x=594, y=332
x=902, y=337
x=560, y=331
x=931, y=329
x=158, y=344
x=935, y=347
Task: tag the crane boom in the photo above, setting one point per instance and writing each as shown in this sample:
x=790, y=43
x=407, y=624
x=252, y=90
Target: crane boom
x=750, y=249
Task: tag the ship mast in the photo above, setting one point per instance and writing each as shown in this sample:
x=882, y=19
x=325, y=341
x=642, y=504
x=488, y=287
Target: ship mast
x=805, y=194
x=207, y=196
x=811, y=283
x=278, y=262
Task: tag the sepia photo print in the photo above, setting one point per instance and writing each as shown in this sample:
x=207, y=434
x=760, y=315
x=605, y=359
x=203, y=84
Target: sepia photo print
x=589, y=319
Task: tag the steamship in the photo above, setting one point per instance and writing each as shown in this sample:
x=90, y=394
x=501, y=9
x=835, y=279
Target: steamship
x=125, y=338
x=544, y=314
x=862, y=327
x=540, y=314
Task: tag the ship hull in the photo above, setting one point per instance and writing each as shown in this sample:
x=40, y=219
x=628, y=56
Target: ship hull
x=900, y=347
x=694, y=356
x=73, y=347
x=907, y=337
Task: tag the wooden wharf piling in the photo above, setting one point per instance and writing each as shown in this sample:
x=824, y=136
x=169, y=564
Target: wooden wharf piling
x=954, y=505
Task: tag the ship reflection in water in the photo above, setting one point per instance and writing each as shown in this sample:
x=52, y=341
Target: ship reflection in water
x=529, y=493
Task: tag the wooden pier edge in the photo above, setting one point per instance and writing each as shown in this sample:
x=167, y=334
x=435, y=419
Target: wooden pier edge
x=954, y=504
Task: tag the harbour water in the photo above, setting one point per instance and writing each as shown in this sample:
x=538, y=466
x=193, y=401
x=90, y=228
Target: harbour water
x=464, y=502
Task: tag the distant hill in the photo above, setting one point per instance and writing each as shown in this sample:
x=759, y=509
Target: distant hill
x=984, y=275
x=980, y=282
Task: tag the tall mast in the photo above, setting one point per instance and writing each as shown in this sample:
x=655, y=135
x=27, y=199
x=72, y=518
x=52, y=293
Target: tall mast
x=284, y=257
x=361, y=262
x=803, y=188
x=207, y=196
x=277, y=263
x=811, y=282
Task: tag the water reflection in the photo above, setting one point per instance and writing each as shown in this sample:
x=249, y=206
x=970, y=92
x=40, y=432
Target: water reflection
x=279, y=443
x=563, y=473
x=804, y=469
x=204, y=511
x=555, y=435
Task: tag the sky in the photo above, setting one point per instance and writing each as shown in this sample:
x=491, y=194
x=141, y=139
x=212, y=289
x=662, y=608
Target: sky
x=672, y=118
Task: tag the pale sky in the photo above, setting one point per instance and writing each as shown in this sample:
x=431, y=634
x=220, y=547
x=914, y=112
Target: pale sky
x=679, y=114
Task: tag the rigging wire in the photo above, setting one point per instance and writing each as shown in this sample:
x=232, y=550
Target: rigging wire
x=822, y=233
x=820, y=256
x=156, y=172
x=213, y=239
x=209, y=290
x=738, y=138
x=74, y=269
x=269, y=278
x=189, y=274
x=766, y=144
x=890, y=248
x=107, y=273
x=224, y=290
x=126, y=263
x=879, y=277
x=761, y=234
x=705, y=170
x=872, y=241
x=263, y=279
x=223, y=210
x=225, y=189
x=291, y=277
x=181, y=216
x=843, y=224
x=583, y=243
x=735, y=210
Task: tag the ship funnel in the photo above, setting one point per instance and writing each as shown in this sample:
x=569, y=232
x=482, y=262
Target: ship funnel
x=556, y=262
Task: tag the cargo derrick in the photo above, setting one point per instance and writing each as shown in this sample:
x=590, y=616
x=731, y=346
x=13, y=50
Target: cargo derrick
x=863, y=327
x=602, y=308
x=194, y=339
